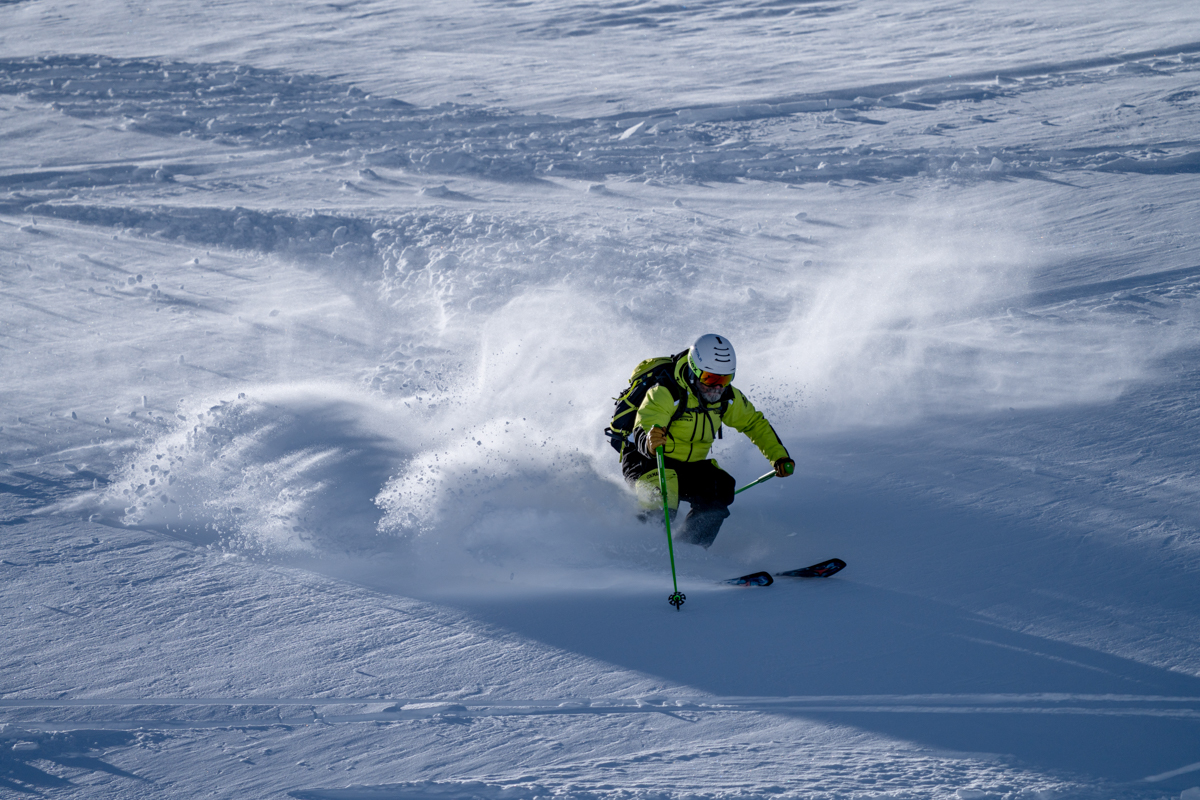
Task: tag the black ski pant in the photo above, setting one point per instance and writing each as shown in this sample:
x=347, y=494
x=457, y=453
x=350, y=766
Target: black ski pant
x=707, y=488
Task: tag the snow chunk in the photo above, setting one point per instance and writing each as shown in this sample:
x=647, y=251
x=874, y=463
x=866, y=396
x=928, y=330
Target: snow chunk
x=631, y=131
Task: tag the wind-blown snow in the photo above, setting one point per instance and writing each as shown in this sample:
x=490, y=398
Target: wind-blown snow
x=311, y=321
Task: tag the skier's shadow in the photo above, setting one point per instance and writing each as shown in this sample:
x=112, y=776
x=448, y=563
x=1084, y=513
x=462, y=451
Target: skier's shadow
x=933, y=634
x=893, y=663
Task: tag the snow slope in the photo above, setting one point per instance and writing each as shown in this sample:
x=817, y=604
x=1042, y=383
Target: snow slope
x=311, y=318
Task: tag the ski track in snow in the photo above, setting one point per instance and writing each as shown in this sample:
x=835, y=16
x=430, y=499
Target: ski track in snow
x=301, y=480
x=272, y=711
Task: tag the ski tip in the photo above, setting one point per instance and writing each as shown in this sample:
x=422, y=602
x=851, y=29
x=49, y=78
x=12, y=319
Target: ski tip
x=753, y=579
x=822, y=570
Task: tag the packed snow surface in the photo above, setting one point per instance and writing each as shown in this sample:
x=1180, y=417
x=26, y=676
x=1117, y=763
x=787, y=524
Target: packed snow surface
x=311, y=315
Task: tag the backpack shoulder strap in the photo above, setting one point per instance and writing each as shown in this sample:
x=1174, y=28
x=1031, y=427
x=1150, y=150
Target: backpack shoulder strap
x=726, y=399
x=677, y=391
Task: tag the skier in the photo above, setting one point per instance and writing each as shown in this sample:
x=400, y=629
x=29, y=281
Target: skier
x=684, y=413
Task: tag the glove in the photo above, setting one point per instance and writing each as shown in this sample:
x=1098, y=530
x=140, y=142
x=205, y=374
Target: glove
x=784, y=467
x=655, y=437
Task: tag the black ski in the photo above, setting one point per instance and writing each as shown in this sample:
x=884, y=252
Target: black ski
x=822, y=570
x=753, y=579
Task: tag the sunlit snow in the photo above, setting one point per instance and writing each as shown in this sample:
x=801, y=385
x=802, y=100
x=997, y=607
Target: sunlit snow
x=312, y=314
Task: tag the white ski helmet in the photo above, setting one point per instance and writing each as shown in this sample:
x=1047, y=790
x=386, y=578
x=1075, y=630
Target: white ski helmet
x=713, y=354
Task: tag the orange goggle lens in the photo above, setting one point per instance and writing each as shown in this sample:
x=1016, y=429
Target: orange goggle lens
x=713, y=379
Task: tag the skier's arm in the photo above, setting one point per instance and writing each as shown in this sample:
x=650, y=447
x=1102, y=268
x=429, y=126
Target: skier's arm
x=655, y=412
x=743, y=416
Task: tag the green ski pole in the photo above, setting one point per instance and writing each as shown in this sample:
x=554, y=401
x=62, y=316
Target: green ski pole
x=763, y=479
x=757, y=481
x=677, y=598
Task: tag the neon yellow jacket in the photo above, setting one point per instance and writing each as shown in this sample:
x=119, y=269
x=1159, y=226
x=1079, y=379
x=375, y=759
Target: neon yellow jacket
x=690, y=436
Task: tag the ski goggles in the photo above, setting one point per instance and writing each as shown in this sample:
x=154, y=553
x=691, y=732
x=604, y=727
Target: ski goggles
x=713, y=379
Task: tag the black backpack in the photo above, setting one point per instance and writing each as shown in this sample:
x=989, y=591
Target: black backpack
x=650, y=372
